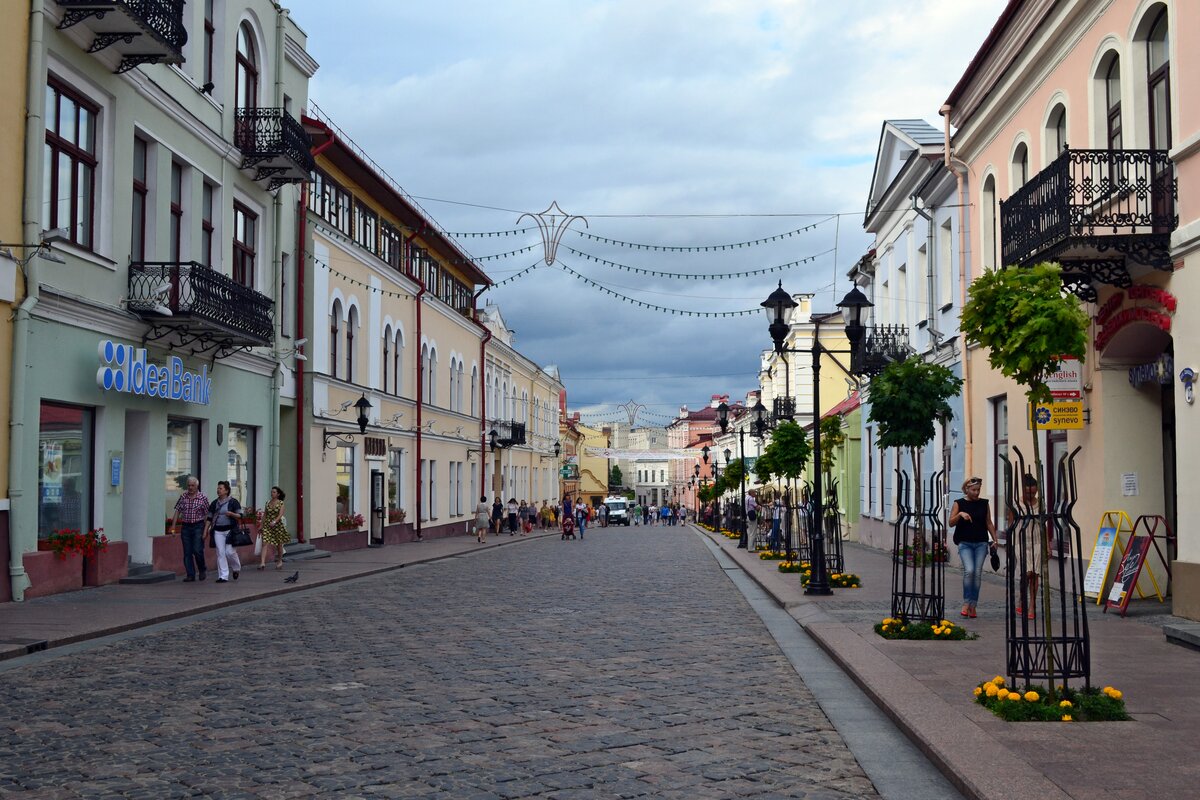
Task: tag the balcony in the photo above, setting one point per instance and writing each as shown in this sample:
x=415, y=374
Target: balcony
x=274, y=145
x=141, y=31
x=509, y=433
x=883, y=345
x=783, y=408
x=1103, y=214
x=201, y=305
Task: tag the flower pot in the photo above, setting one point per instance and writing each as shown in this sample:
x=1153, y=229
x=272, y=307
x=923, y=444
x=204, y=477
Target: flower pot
x=107, y=566
x=48, y=574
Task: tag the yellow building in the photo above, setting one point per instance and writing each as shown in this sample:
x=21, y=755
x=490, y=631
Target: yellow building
x=593, y=470
x=13, y=55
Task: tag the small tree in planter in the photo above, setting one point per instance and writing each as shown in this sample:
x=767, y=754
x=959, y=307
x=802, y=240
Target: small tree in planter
x=1028, y=323
x=787, y=454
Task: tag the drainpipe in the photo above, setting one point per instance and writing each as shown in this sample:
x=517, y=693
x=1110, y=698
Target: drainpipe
x=35, y=136
x=273, y=434
x=301, y=290
x=483, y=431
x=420, y=388
x=960, y=174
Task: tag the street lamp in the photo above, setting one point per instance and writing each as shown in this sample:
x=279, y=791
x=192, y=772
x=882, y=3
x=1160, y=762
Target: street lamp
x=758, y=428
x=362, y=405
x=852, y=305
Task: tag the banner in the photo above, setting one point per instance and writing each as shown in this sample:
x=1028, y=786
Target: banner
x=655, y=455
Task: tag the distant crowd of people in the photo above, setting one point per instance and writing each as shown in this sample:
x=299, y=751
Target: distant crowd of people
x=520, y=517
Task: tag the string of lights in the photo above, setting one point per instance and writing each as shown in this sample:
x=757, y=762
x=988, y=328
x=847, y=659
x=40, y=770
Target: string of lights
x=495, y=256
x=713, y=276
x=655, y=307
x=491, y=234
x=713, y=248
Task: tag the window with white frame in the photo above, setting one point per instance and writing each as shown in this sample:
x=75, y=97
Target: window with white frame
x=397, y=363
x=433, y=492
x=1158, y=81
x=474, y=391
x=69, y=180
x=387, y=356
x=987, y=213
x=351, y=329
x=1056, y=132
x=945, y=263
x=335, y=334
x=453, y=382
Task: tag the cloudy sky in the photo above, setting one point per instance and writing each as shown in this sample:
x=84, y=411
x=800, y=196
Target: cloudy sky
x=665, y=124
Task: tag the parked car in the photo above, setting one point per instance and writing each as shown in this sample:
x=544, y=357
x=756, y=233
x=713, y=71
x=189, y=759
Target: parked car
x=618, y=510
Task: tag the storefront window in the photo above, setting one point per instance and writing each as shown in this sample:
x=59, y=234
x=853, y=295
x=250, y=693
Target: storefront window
x=241, y=469
x=183, y=459
x=64, y=468
x=395, y=460
x=345, y=480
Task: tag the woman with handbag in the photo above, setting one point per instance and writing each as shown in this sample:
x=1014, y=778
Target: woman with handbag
x=274, y=531
x=974, y=533
x=224, y=516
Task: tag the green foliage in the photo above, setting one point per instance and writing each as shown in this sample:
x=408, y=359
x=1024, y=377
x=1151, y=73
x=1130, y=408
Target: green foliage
x=907, y=398
x=764, y=467
x=832, y=437
x=789, y=450
x=1027, y=321
x=707, y=493
x=1080, y=705
x=615, y=478
x=892, y=628
x=734, y=472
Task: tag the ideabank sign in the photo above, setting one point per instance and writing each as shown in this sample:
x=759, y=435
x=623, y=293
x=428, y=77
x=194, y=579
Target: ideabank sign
x=125, y=369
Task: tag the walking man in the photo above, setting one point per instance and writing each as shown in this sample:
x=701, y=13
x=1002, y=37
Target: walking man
x=192, y=510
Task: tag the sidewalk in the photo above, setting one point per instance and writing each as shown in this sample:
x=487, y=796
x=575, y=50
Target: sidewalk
x=70, y=617
x=926, y=688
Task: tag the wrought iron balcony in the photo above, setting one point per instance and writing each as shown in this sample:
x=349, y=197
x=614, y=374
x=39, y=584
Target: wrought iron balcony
x=783, y=408
x=883, y=344
x=142, y=31
x=509, y=433
x=1097, y=212
x=203, y=305
x=273, y=144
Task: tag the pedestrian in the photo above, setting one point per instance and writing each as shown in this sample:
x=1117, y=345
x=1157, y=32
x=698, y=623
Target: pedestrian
x=191, y=509
x=546, y=516
x=224, y=517
x=603, y=509
x=274, y=530
x=482, y=518
x=513, y=509
x=1030, y=537
x=776, y=522
x=637, y=514
x=973, y=533
x=528, y=517
x=497, y=516
x=581, y=518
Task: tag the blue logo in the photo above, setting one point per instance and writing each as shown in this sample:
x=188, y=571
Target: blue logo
x=126, y=369
x=1043, y=415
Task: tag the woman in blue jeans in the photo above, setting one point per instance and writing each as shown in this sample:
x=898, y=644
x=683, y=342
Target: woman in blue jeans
x=974, y=532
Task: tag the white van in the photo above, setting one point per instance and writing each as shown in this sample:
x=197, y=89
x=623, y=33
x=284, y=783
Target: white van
x=618, y=510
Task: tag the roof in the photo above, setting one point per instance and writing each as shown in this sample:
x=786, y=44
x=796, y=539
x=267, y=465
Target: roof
x=989, y=44
x=918, y=130
x=845, y=407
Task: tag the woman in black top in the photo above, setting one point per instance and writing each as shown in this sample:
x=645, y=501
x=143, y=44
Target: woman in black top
x=974, y=532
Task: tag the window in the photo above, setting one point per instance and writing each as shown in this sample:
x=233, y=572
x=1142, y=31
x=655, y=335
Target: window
x=453, y=381
x=351, y=326
x=389, y=244
x=397, y=352
x=1158, y=66
x=284, y=307
x=387, y=357
x=999, y=457
x=988, y=222
x=176, y=212
x=423, y=489
x=455, y=485
x=335, y=321
x=1020, y=166
x=210, y=38
x=206, y=225
x=421, y=373
x=69, y=183
x=474, y=391
x=1112, y=103
x=945, y=263
x=240, y=460
x=247, y=68
x=65, y=445
x=395, y=485
x=458, y=389
x=1056, y=131
x=245, y=224
x=366, y=223
x=141, y=192
x=433, y=494
x=345, y=480
x=183, y=458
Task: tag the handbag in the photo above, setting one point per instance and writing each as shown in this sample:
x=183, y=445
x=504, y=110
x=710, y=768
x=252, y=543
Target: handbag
x=258, y=545
x=995, y=556
x=239, y=537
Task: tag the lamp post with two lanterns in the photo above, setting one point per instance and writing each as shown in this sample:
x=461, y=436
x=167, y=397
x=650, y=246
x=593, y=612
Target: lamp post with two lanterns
x=758, y=427
x=777, y=305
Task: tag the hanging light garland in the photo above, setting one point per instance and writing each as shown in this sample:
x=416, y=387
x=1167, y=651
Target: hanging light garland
x=710, y=276
x=713, y=248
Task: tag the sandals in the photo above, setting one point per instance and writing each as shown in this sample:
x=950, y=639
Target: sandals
x=279, y=564
x=261, y=567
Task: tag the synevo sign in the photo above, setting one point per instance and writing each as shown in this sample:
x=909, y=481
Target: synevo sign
x=126, y=369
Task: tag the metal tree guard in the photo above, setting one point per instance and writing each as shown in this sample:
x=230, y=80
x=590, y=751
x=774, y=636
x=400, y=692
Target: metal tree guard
x=919, y=557
x=834, y=556
x=1058, y=649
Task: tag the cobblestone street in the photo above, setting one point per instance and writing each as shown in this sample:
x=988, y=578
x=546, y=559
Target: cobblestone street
x=624, y=665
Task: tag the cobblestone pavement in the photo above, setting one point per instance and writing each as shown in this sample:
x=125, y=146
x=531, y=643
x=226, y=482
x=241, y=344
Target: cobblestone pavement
x=624, y=665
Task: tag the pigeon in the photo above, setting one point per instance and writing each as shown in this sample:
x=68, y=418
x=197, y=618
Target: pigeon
x=295, y=576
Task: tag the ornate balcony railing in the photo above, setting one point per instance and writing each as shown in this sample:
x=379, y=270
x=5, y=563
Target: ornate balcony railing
x=783, y=408
x=142, y=31
x=204, y=304
x=1088, y=202
x=883, y=345
x=509, y=433
x=274, y=144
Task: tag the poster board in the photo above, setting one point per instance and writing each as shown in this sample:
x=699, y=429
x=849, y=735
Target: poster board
x=1115, y=530
x=1125, y=582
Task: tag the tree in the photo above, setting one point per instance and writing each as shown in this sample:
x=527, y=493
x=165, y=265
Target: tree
x=788, y=452
x=615, y=478
x=1028, y=323
x=764, y=467
x=832, y=437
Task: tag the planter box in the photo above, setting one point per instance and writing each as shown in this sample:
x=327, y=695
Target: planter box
x=167, y=553
x=50, y=574
x=340, y=541
x=107, y=567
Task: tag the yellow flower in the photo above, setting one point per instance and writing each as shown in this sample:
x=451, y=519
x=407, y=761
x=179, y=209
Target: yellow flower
x=1116, y=694
x=903, y=627
x=1065, y=704
x=946, y=624
x=1031, y=696
x=978, y=691
x=1014, y=696
x=937, y=631
x=1002, y=694
x=999, y=681
x=990, y=689
x=1066, y=718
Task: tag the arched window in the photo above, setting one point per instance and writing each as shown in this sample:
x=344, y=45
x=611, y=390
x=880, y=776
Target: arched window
x=335, y=330
x=458, y=400
x=1158, y=82
x=397, y=361
x=988, y=222
x=421, y=372
x=247, y=68
x=503, y=409
x=474, y=390
x=351, y=327
x=1112, y=103
x=431, y=379
x=387, y=355
x=453, y=382
x=1020, y=166
x=1056, y=132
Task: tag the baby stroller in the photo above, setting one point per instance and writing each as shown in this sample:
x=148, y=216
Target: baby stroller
x=568, y=527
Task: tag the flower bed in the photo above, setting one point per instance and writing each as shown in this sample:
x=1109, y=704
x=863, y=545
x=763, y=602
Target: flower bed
x=349, y=522
x=65, y=541
x=773, y=555
x=892, y=628
x=839, y=580
x=1036, y=705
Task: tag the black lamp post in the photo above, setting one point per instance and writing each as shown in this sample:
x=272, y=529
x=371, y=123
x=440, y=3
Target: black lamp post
x=759, y=424
x=362, y=405
x=852, y=306
x=716, y=477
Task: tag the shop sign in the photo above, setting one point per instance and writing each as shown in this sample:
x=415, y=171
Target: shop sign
x=1160, y=372
x=1066, y=382
x=126, y=369
x=1057, y=416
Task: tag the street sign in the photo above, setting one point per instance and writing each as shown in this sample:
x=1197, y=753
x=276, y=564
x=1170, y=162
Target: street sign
x=1057, y=416
x=1066, y=382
